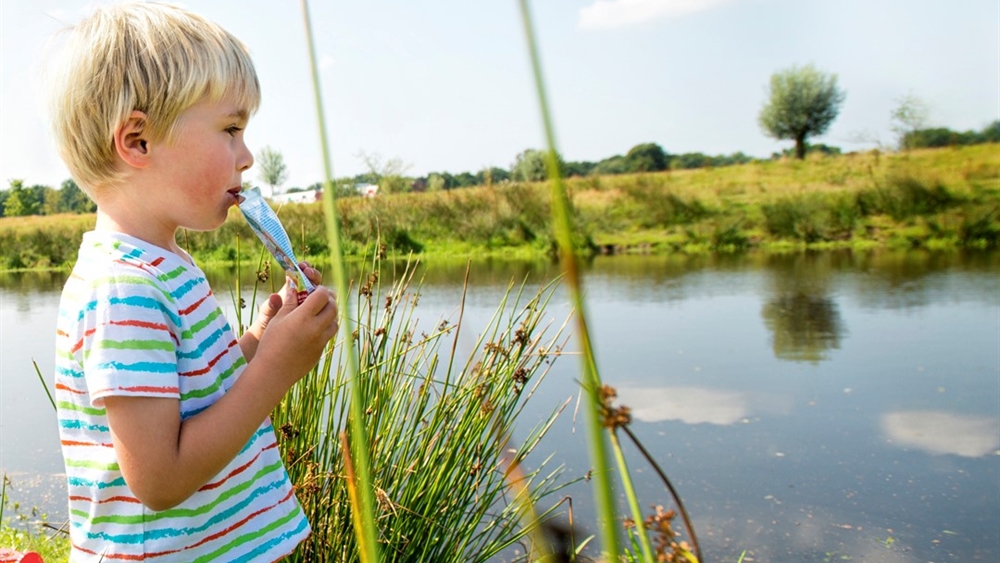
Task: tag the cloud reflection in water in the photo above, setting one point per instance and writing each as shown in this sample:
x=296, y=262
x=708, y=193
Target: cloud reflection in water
x=692, y=405
x=941, y=433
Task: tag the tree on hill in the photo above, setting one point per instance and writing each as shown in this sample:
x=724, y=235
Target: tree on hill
x=580, y=168
x=20, y=201
x=73, y=200
x=273, y=171
x=909, y=115
x=990, y=133
x=616, y=164
x=529, y=166
x=647, y=157
x=492, y=175
x=389, y=174
x=802, y=103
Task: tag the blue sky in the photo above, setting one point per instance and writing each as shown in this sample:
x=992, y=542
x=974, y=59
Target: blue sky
x=446, y=84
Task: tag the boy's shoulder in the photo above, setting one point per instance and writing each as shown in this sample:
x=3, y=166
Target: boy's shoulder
x=110, y=249
x=117, y=263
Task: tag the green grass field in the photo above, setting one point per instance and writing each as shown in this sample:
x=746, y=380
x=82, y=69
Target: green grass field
x=930, y=198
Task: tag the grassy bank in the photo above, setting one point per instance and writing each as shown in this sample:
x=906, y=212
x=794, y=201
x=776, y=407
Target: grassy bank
x=931, y=198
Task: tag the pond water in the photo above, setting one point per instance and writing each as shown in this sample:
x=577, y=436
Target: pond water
x=808, y=407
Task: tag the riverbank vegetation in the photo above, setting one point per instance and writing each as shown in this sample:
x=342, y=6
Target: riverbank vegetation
x=930, y=198
x=24, y=529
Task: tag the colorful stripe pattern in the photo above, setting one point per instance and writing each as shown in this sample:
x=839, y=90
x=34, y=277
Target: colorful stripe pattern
x=140, y=321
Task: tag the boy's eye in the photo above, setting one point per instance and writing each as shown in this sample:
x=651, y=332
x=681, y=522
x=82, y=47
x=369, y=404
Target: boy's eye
x=233, y=130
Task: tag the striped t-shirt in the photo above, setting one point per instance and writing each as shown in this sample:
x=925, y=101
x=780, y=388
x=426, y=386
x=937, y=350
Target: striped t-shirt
x=140, y=321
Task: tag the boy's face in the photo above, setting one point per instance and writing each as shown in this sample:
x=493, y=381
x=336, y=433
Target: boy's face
x=202, y=167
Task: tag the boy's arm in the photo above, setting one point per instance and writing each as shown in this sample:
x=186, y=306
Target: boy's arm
x=165, y=460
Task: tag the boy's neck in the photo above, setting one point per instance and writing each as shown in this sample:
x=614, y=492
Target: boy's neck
x=138, y=226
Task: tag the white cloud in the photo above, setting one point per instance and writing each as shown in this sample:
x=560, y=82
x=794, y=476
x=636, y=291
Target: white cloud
x=620, y=13
x=940, y=433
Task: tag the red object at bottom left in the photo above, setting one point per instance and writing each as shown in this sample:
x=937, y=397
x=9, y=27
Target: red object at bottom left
x=11, y=556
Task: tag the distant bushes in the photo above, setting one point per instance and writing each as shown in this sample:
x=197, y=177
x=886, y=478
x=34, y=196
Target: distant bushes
x=809, y=218
x=937, y=137
x=939, y=197
x=906, y=196
x=41, y=242
x=818, y=217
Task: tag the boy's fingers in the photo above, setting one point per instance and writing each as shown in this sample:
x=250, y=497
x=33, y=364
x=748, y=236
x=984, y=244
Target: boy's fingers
x=287, y=296
x=311, y=273
x=270, y=307
x=318, y=300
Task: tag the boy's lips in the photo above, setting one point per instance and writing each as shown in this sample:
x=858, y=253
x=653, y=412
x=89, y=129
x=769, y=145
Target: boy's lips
x=235, y=192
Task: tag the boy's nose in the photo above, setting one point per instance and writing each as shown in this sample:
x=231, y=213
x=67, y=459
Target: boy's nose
x=246, y=159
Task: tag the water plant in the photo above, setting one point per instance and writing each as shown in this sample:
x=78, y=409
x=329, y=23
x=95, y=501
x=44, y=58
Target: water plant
x=29, y=532
x=439, y=428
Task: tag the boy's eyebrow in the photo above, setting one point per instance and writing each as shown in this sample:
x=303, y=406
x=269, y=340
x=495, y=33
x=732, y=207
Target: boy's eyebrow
x=239, y=114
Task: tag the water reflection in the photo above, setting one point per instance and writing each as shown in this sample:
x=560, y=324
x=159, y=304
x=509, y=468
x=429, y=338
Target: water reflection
x=803, y=318
x=27, y=283
x=804, y=327
x=697, y=345
x=691, y=405
x=940, y=433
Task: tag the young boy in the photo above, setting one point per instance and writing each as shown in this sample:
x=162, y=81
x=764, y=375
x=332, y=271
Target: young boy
x=163, y=414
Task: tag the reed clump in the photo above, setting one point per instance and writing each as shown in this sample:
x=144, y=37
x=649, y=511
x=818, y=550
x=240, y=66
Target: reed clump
x=440, y=428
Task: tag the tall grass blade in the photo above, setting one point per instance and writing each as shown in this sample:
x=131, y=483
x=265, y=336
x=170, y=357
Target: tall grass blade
x=365, y=521
x=44, y=385
x=540, y=549
x=633, y=501
x=562, y=224
x=3, y=496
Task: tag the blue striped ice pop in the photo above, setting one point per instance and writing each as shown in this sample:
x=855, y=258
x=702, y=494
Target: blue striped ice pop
x=266, y=225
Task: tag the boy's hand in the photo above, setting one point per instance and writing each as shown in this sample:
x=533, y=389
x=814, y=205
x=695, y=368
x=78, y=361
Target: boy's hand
x=269, y=308
x=297, y=334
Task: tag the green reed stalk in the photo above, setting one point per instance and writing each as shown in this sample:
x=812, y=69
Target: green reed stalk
x=633, y=501
x=562, y=224
x=44, y=385
x=364, y=512
x=3, y=495
x=670, y=487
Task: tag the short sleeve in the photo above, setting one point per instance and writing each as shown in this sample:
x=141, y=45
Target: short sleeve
x=131, y=338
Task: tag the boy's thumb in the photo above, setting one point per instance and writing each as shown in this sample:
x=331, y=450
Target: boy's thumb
x=271, y=306
x=288, y=300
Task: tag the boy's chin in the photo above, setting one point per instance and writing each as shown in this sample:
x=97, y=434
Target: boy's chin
x=205, y=226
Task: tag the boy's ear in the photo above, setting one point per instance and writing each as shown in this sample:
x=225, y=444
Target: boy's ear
x=131, y=140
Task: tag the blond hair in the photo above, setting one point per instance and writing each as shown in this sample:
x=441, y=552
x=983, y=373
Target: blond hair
x=155, y=58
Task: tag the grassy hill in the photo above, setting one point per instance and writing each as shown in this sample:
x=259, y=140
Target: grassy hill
x=936, y=198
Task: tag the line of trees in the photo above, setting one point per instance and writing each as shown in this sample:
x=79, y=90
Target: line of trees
x=20, y=200
x=935, y=137
x=528, y=166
